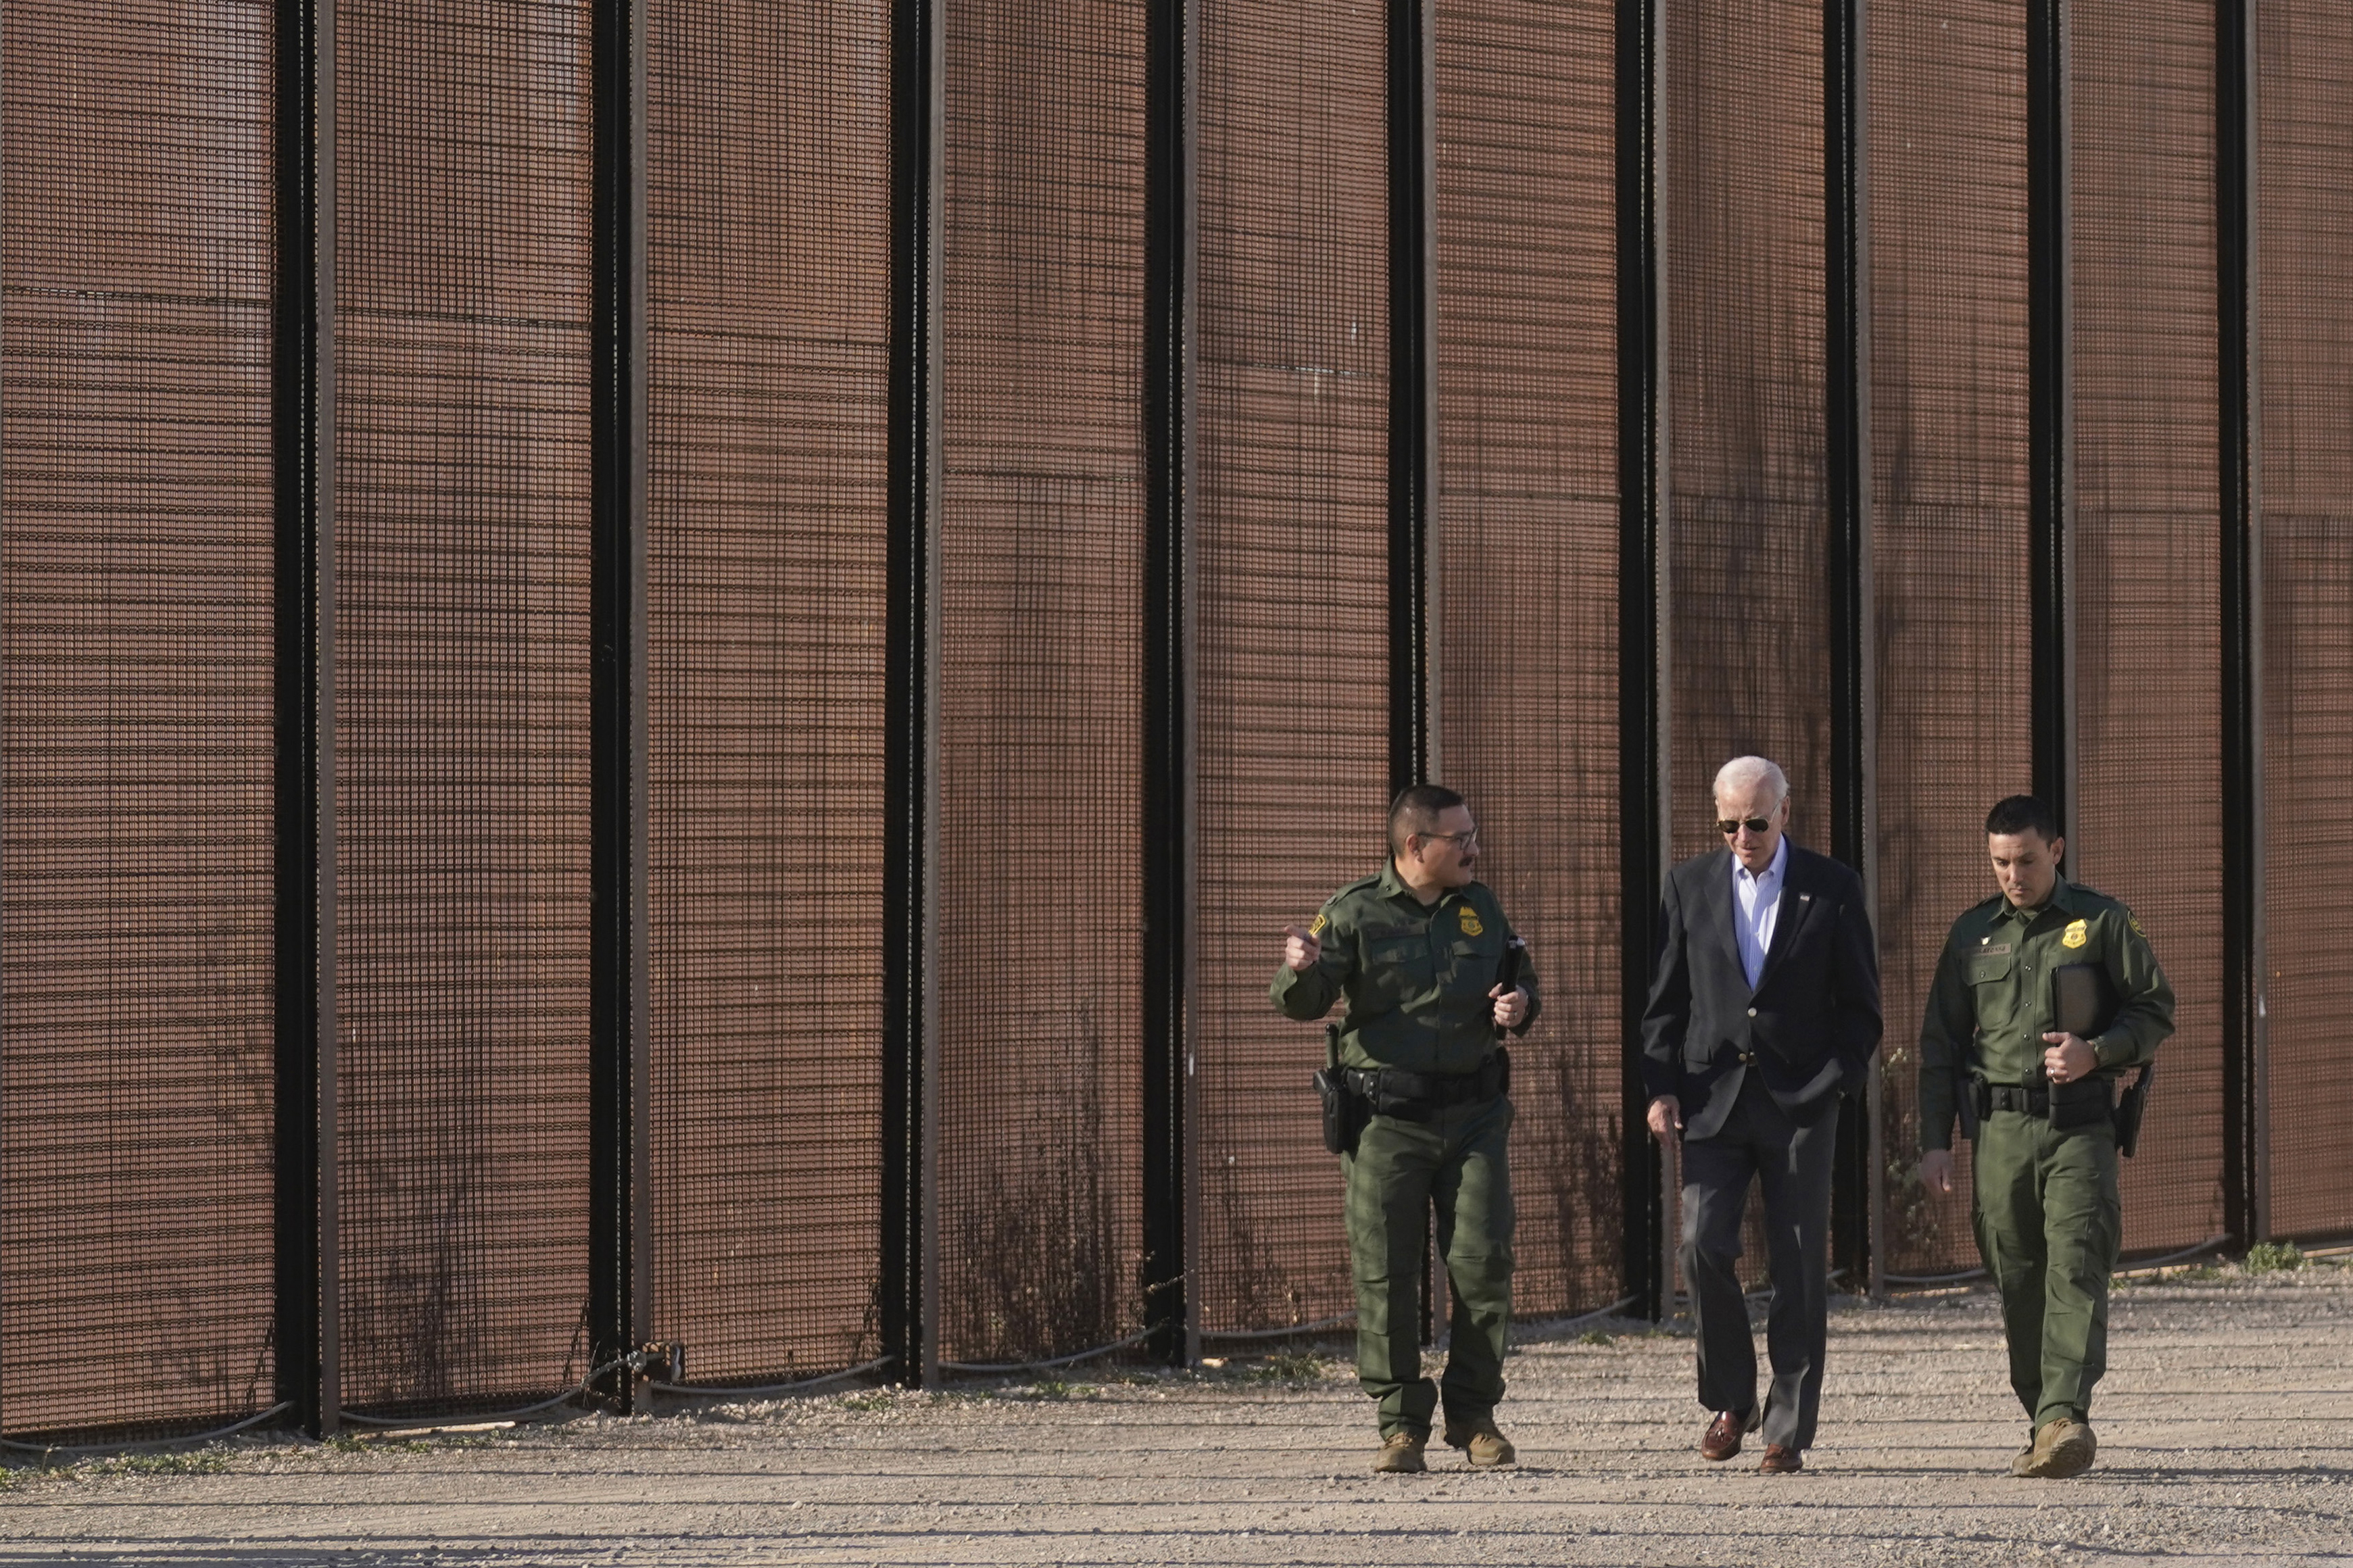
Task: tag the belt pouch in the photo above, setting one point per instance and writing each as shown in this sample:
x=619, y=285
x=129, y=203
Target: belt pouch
x=2084, y=1103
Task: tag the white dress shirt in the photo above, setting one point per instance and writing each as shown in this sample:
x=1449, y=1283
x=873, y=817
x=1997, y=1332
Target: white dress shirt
x=1756, y=901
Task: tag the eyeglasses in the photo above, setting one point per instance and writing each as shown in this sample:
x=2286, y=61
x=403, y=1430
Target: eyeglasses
x=1464, y=839
x=1730, y=825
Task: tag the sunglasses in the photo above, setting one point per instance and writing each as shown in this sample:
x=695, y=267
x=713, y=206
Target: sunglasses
x=1732, y=824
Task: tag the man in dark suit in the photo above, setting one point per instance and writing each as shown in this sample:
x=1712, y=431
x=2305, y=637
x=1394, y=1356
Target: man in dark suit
x=1764, y=1009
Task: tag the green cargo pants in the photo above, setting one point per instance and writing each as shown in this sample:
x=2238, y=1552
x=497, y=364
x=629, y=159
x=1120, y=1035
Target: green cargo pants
x=2047, y=1224
x=1399, y=1171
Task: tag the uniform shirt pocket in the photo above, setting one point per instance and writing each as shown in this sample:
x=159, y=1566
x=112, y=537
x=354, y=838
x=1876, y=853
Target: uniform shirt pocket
x=1399, y=968
x=1989, y=964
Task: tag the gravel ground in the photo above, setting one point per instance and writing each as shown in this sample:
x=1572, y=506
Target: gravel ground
x=2225, y=1424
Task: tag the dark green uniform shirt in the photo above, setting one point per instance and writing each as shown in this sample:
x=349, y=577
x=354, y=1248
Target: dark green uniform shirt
x=1415, y=976
x=1992, y=1000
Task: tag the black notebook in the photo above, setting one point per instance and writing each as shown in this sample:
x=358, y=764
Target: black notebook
x=2084, y=1000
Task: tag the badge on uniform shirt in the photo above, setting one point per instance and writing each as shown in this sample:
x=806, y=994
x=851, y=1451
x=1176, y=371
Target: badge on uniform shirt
x=1471, y=926
x=2076, y=935
x=1321, y=921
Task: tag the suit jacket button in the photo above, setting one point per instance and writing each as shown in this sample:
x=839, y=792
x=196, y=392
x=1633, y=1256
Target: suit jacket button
x=1752, y=1012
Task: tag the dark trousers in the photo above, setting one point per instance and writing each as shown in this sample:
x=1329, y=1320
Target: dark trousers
x=1759, y=1142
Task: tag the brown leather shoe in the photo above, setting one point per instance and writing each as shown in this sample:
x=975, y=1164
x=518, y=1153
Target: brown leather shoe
x=1780, y=1461
x=1722, y=1438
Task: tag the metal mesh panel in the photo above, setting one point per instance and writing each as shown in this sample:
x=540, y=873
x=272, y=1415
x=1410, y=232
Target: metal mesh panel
x=1949, y=518
x=1290, y=584
x=462, y=696
x=135, y=667
x=1741, y=195
x=2305, y=317
x=2146, y=595
x=1748, y=508
x=1040, y=552
x=768, y=271
x=1527, y=425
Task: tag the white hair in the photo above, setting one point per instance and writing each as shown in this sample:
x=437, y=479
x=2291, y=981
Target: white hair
x=1741, y=774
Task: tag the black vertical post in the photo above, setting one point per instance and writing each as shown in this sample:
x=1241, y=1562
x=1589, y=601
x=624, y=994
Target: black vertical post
x=617, y=687
x=1167, y=695
x=303, y=414
x=2245, y=1187
x=1847, y=425
x=914, y=196
x=1641, y=625
x=2048, y=404
x=1411, y=621
x=1409, y=392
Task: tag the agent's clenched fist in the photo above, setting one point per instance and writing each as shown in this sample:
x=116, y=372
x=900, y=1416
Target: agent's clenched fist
x=1300, y=950
x=1509, y=1008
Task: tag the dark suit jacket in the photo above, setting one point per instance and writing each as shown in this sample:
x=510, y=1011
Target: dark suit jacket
x=1809, y=1027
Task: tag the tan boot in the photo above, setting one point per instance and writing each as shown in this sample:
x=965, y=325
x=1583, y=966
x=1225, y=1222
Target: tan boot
x=2062, y=1448
x=1400, y=1455
x=1481, y=1441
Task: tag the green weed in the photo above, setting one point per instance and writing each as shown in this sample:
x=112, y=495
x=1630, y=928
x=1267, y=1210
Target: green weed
x=201, y=1462
x=2273, y=1257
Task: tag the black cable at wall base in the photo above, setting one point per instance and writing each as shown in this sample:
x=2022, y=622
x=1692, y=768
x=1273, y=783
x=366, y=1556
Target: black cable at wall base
x=915, y=194
x=2245, y=1189
x=617, y=687
x=1846, y=428
x=2049, y=400
x=1167, y=692
x=303, y=412
x=1642, y=643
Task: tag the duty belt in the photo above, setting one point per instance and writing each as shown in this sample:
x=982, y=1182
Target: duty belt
x=2083, y=1104
x=2017, y=1096
x=1415, y=1095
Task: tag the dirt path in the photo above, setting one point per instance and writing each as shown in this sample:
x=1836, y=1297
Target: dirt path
x=2226, y=1429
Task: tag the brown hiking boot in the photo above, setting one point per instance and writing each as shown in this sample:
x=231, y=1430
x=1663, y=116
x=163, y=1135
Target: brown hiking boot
x=1481, y=1441
x=1400, y=1455
x=2062, y=1448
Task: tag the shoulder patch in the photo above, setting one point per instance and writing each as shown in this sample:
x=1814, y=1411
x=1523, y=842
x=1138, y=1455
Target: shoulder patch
x=1322, y=920
x=2134, y=920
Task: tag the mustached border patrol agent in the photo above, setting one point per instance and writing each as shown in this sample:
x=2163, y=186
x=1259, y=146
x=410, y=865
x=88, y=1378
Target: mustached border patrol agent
x=1418, y=1109
x=2045, y=995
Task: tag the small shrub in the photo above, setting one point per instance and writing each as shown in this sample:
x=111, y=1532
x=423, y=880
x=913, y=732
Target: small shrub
x=1597, y=1337
x=2273, y=1257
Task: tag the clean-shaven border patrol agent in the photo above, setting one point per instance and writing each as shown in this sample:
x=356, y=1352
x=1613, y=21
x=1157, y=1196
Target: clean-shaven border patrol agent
x=1420, y=1081
x=2040, y=1103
